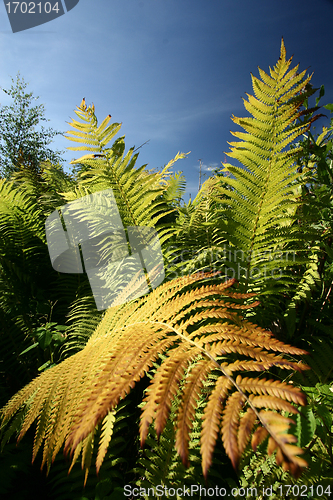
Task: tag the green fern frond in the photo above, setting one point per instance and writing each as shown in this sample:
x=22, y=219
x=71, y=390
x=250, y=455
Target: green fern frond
x=250, y=218
x=88, y=133
x=137, y=192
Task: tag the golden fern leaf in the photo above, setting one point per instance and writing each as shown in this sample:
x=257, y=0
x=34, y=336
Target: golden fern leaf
x=131, y=358
x=211, y=421
x=71, y=399
x=249, y=334
x=273, y=403
x=258, y=436
x=172, y=372
x=245, y=428
x=75, y=456
x=272, y=446
x=277, y=426
x=190, y=398
x=230, y=426
x=272, y=387
x=107, y=431
x=87, y=450
x=149, y=410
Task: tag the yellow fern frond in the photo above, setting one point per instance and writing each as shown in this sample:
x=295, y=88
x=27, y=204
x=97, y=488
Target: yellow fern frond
x=272, y=402
x=273, y=388
x=172, y=372
x=230, y=426
x=277, y=426
x=245, y=428
x=211, y=421
x=190, y=398
x=259, y=436
x=192, y=323
x=87, y=450
x=107, y=431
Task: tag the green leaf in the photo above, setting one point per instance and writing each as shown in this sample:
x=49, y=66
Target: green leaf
x=325, y=415
x=305, y=426
x=321, y=94
x=45, y=365
x=118, y=494
x=329, y=107
x=58, y=339
x=29, y=348
x=61, y=328
x=103, y=488
x=44, y=339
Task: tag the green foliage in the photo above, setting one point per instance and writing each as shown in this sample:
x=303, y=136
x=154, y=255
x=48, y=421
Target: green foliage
x=245, y=221
x=49, y=338
x=313, y=429
x=25, y=278
x=20, y=142
x=272, y=215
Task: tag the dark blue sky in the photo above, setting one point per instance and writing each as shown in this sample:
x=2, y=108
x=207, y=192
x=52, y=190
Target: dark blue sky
x=173, y=71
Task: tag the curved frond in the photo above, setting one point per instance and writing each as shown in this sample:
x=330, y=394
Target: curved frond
x=137, y=191
x=71, y=399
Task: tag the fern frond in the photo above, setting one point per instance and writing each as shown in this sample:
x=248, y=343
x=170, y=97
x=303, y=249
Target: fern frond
x=172, y=372
x=273, y=388
x=286, y=453
x=272, y=402
x=186, y=412
x=245, y=429
x=230, y=426
x=71, y=399
x=211, y=421
x=107, y=431
x=249, y=219
x=137, y=192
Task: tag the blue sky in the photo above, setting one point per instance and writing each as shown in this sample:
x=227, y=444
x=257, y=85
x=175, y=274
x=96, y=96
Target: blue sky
x=172, y=71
